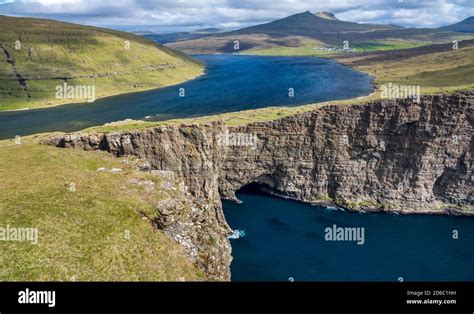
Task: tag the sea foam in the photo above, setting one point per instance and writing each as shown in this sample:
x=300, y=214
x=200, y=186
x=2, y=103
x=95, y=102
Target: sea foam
x=237, y=234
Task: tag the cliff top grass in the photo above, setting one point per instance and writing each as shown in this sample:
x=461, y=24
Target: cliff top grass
x=37, y=55
x=91, y=232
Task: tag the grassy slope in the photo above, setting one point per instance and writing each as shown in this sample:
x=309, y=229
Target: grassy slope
x=81, y=233
x=436, y=68
x=52, y=51
x=311, y=48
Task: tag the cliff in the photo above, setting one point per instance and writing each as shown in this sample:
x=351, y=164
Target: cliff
x=188, y=155
x=396, y=156
x=390, y=155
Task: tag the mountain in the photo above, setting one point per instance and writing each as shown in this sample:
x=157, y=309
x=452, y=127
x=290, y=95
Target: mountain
x=181, y=36
x=38, y=57
x=307, y=31
x=465, y=26
x=308, y=24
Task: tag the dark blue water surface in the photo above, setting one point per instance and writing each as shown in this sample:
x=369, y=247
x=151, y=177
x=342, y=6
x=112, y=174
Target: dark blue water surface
x=287, y=239
x=231, y=83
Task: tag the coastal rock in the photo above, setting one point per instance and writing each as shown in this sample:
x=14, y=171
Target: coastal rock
x=389, y=155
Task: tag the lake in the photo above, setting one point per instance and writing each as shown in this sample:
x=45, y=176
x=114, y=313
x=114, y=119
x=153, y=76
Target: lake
x=287, y=239
x=231, y=83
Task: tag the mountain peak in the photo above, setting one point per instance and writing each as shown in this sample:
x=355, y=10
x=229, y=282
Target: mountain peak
x=305, y=14
x=465, y=26
x=326, y=15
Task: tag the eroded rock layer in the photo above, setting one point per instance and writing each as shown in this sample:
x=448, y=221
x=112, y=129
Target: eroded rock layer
x=389, y=155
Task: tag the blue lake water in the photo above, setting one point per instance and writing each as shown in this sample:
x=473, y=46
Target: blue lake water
x=287, y=239
x=231, y=83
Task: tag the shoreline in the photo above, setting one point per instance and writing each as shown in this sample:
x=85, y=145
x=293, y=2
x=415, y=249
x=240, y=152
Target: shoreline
x=367, y=91
x=82, y=102
x=202, y=74
x=333, y=205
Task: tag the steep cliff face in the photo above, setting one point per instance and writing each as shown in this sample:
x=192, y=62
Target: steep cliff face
x=387, y=155
x=189, y=155
x=390, y=155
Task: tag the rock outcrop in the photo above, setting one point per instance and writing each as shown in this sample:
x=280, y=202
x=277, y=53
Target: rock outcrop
x=395, y=155
x=189, y=154
x=390, y=155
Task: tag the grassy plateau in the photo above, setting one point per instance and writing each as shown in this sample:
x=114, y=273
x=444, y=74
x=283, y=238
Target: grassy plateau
x=91, y=232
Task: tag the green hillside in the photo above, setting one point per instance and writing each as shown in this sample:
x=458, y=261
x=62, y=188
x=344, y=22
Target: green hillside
x=435, y=68
x=38, y=55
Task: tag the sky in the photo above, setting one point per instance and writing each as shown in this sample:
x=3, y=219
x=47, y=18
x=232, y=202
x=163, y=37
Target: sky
x=164, y=16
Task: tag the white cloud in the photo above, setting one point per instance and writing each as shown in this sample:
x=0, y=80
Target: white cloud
x=170, y=15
